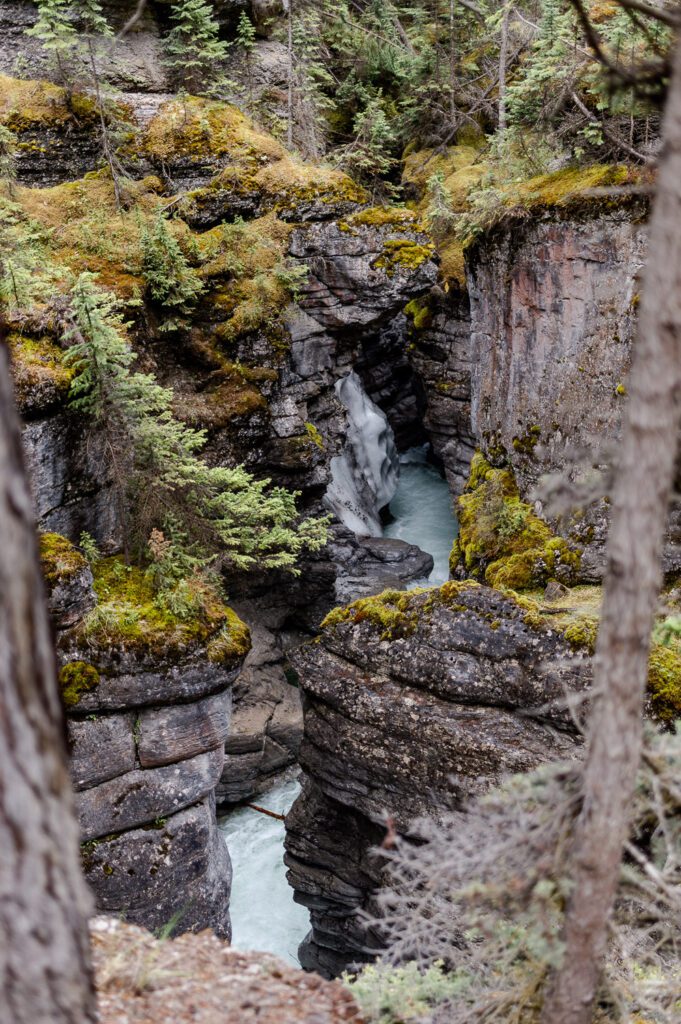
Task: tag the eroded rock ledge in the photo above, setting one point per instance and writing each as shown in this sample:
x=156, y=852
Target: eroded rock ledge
x=413, y=703
x=148, y=703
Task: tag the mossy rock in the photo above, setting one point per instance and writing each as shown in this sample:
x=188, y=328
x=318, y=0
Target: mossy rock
x=403, y=254
x=38, y=372
x=60, y=561
x=397, y=613
x=75, y=679
x=194, y=128
x=129, y=617
x=420, y=313
x=501, y=539
x=576, y=617
x=26, y=105
x=396, y=218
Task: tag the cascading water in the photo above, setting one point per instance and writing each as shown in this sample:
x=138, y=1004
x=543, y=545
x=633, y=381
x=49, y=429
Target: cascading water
x=368, y=476
x=365, y=477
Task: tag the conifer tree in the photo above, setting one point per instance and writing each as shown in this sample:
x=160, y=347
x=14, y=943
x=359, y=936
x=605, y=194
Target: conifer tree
x=215, y=513
x=56, y=30
x=245, y=39
x=194, y=48
x=172, y=283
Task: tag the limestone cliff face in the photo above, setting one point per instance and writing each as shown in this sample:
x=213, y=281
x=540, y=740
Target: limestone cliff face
x=148, y=703
x=553, y=316
x=413, y=703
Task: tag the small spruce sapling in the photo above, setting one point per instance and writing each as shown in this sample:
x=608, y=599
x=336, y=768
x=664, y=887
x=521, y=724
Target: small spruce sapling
x=193, y=47
x=173, y=284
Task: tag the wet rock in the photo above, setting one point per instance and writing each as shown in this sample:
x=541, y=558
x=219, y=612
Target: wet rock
x=267, y=724
x=413, y=704
x=352, y=282
x=369, y=565
x=553, y=316
x=439, y=352
x=100, y=748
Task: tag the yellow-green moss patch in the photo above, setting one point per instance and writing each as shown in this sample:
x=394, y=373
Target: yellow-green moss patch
x=397, y=613
x=393, y=217
x=420, y=313
x=403, y=254
x=60, y=561
x=26, y=105
x=501, y=539
x=37, y=368
x=75, y=679
x=258, y=164
x=128, y=615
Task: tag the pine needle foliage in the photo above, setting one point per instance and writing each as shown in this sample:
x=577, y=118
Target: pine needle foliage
x=482, y=902
x=172, y=283
x=194, y=50
x=219, y=514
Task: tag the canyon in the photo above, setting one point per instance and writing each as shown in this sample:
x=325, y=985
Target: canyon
x=397, y=699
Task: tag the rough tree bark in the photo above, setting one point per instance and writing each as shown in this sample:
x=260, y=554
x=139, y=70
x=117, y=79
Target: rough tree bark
x=44, y=954
x=639, y=513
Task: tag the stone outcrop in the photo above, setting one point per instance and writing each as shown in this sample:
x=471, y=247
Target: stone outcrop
x=148, y=702
x=413, y=703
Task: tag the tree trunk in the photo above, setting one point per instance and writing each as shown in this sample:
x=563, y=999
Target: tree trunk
x=44, y=953
x=289, y=137
x=639, y=514
x=503, y=62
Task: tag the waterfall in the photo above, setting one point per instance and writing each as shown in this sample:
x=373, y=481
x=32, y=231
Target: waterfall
x=364, y=477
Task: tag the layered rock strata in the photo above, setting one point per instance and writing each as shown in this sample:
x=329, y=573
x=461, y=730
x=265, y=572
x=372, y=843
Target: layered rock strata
x=148, y=710
x=413, y=703
x=553, y=316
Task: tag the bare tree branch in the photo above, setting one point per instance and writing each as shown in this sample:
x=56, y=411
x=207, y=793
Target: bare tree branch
x=132, y=21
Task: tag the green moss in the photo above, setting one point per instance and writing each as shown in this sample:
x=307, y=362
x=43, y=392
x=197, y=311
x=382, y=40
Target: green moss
x=60, y=561
x=396, y=218
x=501, y=539
x=420, y=313
x=314, y=435
x=582, y=633
x=75, y=679
x=232, y=643
x=565, y=187
x=403, y=254
x=576, y=618
x=28, y=105
x=128, y=616
x=37, y=369
x=397, y=613
x=664, y=681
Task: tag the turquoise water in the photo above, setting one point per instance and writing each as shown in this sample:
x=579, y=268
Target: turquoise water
x=264, y=916
x=422, y=510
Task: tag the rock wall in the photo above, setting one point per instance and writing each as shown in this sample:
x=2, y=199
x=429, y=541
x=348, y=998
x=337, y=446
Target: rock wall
x=439, y=353
x=413, y=703
x=148, y=714
x=553, y=316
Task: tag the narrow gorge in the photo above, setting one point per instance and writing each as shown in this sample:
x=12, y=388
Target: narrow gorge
x=445, y=412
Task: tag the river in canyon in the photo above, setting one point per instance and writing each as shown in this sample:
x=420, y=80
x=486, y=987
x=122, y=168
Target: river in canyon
x=264, y=915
